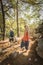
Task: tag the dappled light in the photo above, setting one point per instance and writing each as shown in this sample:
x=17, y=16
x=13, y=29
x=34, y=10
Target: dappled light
x=21, y=32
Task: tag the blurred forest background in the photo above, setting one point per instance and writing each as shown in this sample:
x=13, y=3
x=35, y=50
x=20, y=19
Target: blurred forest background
x=16, y=13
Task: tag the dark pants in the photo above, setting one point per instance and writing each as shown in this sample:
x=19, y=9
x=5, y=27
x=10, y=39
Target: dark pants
x=11, y=39
x=25, y=44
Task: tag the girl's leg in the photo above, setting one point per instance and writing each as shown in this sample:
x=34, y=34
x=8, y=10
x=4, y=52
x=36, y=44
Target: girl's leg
x=22, y=44
x=26, y=45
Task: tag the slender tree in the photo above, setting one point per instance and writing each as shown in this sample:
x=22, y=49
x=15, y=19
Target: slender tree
x=17, y=19
x=3, y=19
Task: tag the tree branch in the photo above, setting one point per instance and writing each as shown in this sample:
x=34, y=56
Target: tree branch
x=8, y=9
x=31, y=2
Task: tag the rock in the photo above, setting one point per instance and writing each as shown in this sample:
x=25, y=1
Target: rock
x=39, y=48
x=40, y=43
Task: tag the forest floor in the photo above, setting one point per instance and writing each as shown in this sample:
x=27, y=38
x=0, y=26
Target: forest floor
x=13, y=55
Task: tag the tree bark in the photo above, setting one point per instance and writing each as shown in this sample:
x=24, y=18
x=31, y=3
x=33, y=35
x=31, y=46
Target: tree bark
x=17, y=19
x=3, y=19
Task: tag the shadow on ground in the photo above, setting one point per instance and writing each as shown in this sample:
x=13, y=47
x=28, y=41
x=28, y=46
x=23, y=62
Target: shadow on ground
x=20, y=59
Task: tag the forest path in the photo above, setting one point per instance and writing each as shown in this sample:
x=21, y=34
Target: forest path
x=9, y=48
x=13, y=55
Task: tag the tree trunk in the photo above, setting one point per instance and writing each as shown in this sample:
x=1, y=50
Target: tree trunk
x=17, y=19
x=3, y=19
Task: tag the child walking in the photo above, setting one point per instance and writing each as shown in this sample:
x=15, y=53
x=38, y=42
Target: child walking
x=25, y=39
x=11, y=35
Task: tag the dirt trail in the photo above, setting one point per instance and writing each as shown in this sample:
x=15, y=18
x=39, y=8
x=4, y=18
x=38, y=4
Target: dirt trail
x=14, y=55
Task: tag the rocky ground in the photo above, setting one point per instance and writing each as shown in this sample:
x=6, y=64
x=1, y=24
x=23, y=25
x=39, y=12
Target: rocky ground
x=13, y=55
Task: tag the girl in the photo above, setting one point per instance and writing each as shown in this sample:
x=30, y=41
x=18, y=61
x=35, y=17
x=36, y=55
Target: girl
x=25, y=39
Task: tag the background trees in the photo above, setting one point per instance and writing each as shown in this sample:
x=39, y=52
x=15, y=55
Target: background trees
x=17, y=13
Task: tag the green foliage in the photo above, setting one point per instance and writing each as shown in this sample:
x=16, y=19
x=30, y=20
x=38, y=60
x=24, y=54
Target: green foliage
x=28, y=12
x=11, y=24
x=32, y=1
